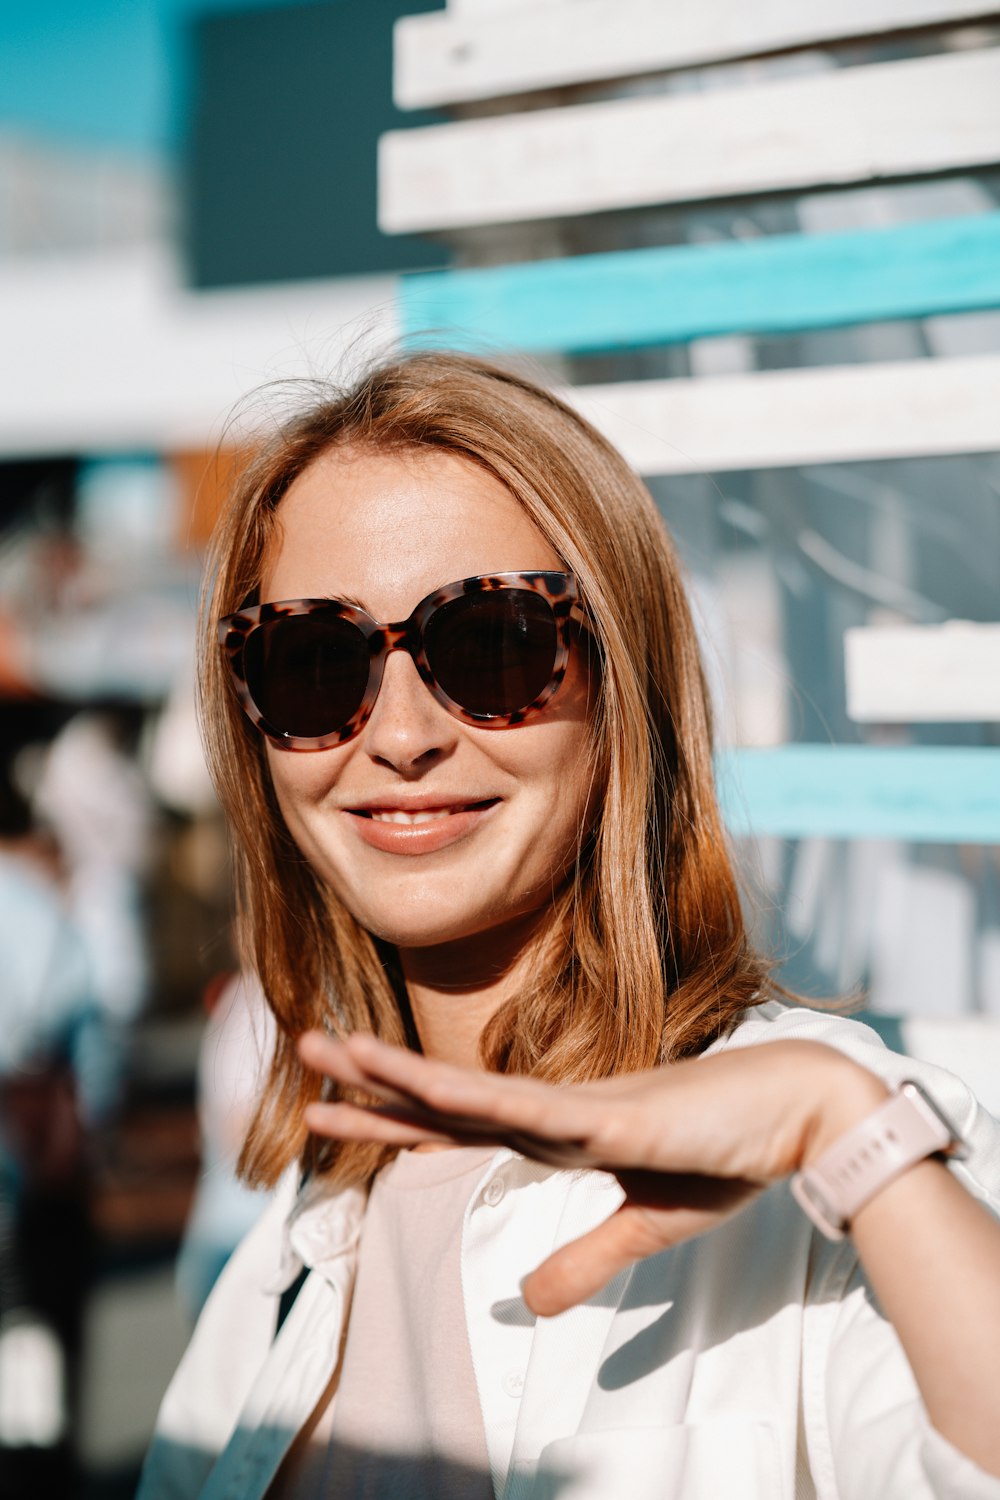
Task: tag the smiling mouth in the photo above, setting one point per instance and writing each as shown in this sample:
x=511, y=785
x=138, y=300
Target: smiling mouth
x=425, y=815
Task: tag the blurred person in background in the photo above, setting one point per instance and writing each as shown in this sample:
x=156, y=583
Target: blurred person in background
x=52, y=1091
x=234, y=1060
x=234, y=1055
x=534, y=1096
x=92, y=794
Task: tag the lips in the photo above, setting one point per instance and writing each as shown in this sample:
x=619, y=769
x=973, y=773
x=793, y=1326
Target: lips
x=413, y=817
x=418, y=829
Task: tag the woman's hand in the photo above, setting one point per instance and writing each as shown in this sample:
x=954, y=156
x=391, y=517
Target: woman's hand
x=690, y=1143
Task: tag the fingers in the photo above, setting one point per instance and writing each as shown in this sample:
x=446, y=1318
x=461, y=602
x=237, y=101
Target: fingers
x=439, y=1085
x=333, y=1058
x=504, y=1102
x=660, y=1211
x=362, y=1062
x=580, y=1269
x=445, y=1102
x=350, y=1122
x=326, y=1055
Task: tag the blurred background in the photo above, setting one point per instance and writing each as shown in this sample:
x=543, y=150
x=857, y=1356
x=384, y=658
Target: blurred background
x=760, y=246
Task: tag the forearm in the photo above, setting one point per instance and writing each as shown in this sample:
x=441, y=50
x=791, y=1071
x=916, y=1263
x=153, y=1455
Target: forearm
x=931, y=1252
x=932, y=1255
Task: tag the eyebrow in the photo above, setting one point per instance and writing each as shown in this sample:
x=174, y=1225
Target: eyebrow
x=347, y=599
x=359, y=604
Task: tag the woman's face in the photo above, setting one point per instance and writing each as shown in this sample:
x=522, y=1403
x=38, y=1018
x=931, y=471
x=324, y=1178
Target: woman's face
x=428, y=829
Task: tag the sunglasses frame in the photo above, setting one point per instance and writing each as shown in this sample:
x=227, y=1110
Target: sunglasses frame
x=560, y=591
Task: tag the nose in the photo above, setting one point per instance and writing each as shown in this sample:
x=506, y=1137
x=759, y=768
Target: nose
x=408, y=729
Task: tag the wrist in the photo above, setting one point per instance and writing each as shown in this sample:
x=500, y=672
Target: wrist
x=846, y=1094
x=907, y=1127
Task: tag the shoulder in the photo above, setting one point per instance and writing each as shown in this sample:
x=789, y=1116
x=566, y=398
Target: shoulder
x=774, y=1022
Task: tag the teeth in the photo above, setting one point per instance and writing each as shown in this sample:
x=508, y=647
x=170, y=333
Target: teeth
x=415, y=817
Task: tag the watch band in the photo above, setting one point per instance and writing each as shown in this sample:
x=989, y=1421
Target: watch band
x=904, y=1130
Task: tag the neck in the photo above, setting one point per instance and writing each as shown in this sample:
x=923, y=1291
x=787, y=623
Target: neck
x=456, y=988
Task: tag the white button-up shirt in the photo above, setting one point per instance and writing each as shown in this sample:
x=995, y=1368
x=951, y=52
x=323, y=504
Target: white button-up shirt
x=751, y=1362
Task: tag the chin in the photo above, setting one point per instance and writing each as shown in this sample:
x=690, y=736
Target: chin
x=428, y=923
x=423, y=933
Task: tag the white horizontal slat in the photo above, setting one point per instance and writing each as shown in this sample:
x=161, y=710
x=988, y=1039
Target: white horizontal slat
x=489, y=7
x=905, y=674
x=483, y=49
x=852, y=125
x=111, y=352
x=778, y=417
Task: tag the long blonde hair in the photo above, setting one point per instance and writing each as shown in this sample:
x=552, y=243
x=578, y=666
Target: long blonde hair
x=646, y=957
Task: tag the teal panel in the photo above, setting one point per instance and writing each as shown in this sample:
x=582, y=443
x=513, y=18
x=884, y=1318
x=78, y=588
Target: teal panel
x=103, y=72
x=949, y=796
x=777, y=284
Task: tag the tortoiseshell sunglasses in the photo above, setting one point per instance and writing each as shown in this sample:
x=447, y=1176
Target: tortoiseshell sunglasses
x=492, y=650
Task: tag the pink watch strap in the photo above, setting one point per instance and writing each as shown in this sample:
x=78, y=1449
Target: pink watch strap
x=901, y=1132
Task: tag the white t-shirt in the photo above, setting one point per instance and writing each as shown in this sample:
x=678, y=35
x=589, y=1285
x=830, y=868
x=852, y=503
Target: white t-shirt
x=401, y=1418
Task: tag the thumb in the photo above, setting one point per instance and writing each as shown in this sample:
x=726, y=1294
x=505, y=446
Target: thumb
x=577, y=1270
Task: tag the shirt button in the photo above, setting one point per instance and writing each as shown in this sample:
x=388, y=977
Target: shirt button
x=494, y=1191
x=513, y=1382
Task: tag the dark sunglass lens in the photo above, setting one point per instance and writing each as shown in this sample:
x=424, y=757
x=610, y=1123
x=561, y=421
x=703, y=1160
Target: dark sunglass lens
x=307, y=674
x=493, y=652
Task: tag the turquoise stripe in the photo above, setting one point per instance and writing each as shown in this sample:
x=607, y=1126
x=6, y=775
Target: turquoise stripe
x=777, y=284
x=947, y=796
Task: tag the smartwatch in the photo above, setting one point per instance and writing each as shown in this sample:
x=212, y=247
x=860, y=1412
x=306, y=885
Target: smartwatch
x=904, y=1130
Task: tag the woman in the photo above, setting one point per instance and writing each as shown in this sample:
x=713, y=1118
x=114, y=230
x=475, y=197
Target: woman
x=487, y=833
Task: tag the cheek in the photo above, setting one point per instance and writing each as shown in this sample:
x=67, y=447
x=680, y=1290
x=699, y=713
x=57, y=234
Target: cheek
x=300, y=782
x=568, y=761
x=558, y=774
x=577, y=779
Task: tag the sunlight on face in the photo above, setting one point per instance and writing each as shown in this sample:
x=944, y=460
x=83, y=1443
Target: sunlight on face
x=428, y=829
